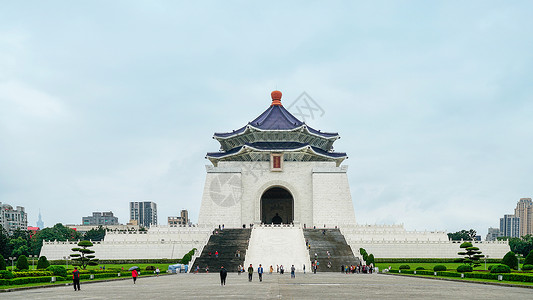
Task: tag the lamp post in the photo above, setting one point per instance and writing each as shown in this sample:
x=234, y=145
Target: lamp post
x=66, y=258
x=518, y=257
x=32, y=261
x=486, y=256
x=12, y=262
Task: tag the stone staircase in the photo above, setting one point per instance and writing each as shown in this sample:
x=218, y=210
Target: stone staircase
x=226, y=242
x=334, y=242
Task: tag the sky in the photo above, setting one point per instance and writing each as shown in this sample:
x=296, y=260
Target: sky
x=107, y=102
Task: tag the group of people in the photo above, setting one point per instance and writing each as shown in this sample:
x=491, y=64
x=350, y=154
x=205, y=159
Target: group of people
x=260, y=271
x=357, y=269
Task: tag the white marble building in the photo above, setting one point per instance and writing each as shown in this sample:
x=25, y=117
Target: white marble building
x=278, y=170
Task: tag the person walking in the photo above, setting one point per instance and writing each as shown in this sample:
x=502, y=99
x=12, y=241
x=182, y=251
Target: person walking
x=293, y=272
x=223, y=275
x=76, y=279
x=157, y=271
x=250, y=272
x=271, y=269
x=304, y=268
x=239, y=270
x=260, y=272
x=134, y=275
x=281, y=269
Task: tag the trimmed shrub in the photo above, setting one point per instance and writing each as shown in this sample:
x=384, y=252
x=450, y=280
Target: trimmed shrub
x=529, y=258
x=510, y=260
x=32, y=273
x=6, y=274
x=370, y=259
x=527, y=267
x=150, y=268
x=42, y=263
x=58, y=270
x=2, y=263
x=464, y=269
x=420, y=268
x=500, y=269
x=439, y=268
x=426, y=260
x=22, y=263
x=490, y=267
x=405, y=267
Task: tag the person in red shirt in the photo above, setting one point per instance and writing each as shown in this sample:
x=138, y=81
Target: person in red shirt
x=134, y=275
x=76, y=279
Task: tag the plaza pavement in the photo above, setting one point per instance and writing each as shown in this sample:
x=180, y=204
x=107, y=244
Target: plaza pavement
x=308, y=286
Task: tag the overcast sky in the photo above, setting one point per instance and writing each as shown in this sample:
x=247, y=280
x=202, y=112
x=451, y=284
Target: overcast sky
x=102, y=103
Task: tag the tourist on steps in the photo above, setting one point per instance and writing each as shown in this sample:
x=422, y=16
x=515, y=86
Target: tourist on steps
x=250, y=272
x=293, y=270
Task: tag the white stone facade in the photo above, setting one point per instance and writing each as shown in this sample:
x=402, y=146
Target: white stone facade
x=233, y=190
x=393, y=241
x=157, y=242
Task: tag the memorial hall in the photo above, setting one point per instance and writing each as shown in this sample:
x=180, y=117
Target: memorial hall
x=276, y=193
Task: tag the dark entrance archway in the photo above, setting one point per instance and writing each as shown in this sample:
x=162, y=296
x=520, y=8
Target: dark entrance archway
x=277, y=206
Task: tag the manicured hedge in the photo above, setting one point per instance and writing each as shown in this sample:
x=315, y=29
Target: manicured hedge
x=464, y=269
x=420, y=268
x=480, y=275
x=58, y=270
x=405, y=267
x=427, y=260
x=6, y=275
x=500, y=269
x=33, y=274
x=439, y=268
x=527, y=267
x=126, y=261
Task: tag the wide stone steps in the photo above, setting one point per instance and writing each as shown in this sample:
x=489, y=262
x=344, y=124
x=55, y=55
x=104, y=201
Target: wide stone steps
x=333, y=241
x=226, y=242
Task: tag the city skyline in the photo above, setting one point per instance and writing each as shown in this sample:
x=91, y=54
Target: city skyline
x=100, y=108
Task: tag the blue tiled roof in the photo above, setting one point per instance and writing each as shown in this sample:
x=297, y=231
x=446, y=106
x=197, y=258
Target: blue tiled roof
x=276, y=117
x=276, y=146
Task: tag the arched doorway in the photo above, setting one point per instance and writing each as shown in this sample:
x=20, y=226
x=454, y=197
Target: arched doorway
x=277, y=206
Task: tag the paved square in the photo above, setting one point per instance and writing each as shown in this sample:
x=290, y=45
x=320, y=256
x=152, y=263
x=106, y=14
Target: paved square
x=309, y=286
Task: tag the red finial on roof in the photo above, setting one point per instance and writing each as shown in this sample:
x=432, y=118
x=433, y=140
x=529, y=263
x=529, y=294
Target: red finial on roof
x=276, y=98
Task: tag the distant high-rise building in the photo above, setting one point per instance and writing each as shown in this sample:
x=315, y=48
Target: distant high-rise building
x=100, y=218
x=145, y=213
x=40, y=222
x=183, y=219
x=510, y=226
x=493, y=234
x=13, y=219
x=524, y=210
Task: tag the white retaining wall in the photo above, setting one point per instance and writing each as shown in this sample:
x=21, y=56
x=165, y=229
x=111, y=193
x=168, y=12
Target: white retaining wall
x=158, y=242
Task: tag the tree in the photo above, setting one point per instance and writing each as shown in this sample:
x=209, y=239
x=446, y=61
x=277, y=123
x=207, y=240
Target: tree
x=95, y=234
x=370, y=259
x=472, y=255
x=529, y=258
x=2, y=263
x=465, y=235
x=363, y=253
x=43, y=263
x=58, y=232
x=85, y=256
x=19, y=246
x=510, y=260
x=22, y=263
x=5, y=249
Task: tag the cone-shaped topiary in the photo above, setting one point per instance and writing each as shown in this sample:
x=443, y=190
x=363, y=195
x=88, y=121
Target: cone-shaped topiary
x=510, y=260
x=22, y=263
x=42, y=263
